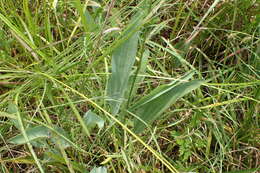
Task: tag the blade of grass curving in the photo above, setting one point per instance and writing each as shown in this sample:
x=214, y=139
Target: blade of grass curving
x=161, y=98
x=60, y=141
x=174, y=53
x=26, y=137
x=76, y=112
x=194, y=32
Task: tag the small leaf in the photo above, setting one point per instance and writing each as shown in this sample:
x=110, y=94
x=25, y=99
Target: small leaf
x=34, y=133
x=101, y=169
x=12, y=109
x=160, y=99
x=91, y=119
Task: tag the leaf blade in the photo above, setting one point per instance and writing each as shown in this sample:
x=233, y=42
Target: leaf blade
x=123, y=59
x=91, y=119
x=33, y=134
x=152, y=106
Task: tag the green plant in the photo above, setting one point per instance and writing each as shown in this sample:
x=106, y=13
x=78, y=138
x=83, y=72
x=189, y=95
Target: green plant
x=129, y=86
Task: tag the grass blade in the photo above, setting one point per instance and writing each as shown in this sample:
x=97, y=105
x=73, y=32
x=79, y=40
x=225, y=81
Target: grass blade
x=19, y=34
x=26, y=137
x=161, y=98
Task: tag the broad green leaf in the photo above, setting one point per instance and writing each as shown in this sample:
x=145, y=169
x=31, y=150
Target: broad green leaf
x=62, y=142
x=162, y=89
x=39, y=143
x=101, y=169
x=12, y=109
x=37, y=133
x=91, y=119
x=123, y=59
x=34, y=133
x=153, y=105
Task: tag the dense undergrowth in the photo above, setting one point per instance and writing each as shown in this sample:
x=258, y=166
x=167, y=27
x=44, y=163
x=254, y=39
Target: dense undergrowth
x=129, y=86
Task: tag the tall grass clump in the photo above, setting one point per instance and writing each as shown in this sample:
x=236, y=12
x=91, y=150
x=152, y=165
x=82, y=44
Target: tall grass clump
x=129, y=86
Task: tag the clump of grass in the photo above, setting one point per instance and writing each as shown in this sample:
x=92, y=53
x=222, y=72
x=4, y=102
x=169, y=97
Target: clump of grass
x=129, y=86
